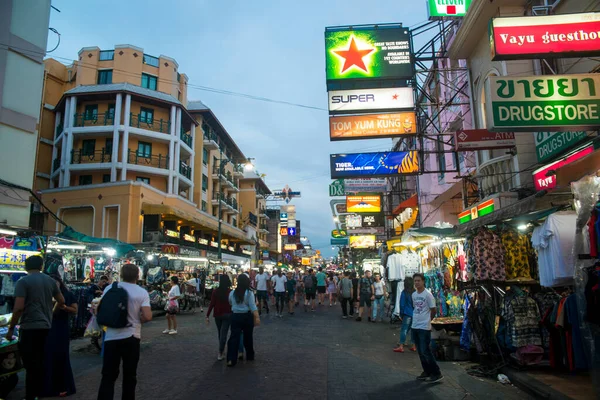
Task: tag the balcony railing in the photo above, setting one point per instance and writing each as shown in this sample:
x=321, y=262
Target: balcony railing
x=79, y=156
x=215, y=170
x=56, y=164
x=496, y=175
x=59, y=130
x=185, y=170
x=88, y=119
x=151, y=124
x=238, y=169
x=156, y=161
x=264, y=227
x=252, y=219
x=187, y=139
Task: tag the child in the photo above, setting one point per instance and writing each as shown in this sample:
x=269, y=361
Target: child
x=173, y=306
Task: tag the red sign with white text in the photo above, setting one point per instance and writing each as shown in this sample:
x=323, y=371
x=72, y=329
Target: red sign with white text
x=565, y=35
x=482, y=139
x=545, y=181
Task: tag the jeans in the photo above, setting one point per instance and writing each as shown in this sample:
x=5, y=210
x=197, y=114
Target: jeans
x=31, y=347
x=405, y=329
x=223, y=323
x=345, y=302
x=243, y=322
x=378, y=305
x=422, y=339
x=279, y=301
x=127, y=350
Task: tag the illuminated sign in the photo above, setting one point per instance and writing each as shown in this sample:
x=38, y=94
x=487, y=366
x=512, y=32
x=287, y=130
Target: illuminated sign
x=283, y=216
x=173, y=234
x=247, y=252
x=545, y=177
x=231, y=248
x=482, y=139
x=374, y=164
x=338, y=233
x=214, y=244
x=369, y=220
x=371, y=99
x=448, y=8
x=283, y=231
x=290, y=246
x=368, y=53
x=362, y=242
x=15, y=259
x=353, y=221
x=203, y=241
x=169, y=249
x=287, y=194
x=363, y=204
x=543, y=102
x=551, y=144
x=189, y=238
x=371, y=126
x=485, y=208
x=563, y=35
x=291, y=231
x=306, y=261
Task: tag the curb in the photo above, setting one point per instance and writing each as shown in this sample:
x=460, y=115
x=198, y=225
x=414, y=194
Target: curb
x=532, y=386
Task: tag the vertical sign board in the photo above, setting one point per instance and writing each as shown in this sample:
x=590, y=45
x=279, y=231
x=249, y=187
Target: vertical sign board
x=539, y=103
x=447, y=8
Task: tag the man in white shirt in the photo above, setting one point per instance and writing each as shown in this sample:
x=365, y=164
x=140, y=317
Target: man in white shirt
x=279, y=282
x=423, y=313
x=124, y=343
x=262, y=288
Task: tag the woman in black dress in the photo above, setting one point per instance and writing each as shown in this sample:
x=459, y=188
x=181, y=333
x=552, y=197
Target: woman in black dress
x=58, y=379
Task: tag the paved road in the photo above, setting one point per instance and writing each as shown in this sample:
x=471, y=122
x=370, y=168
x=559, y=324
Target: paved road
x=309, y=355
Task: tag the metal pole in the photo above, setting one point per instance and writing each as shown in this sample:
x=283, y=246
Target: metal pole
x=219, y=198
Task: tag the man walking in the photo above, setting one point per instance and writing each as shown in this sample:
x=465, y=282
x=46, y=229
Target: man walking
x=365, y=294
x=310, y=289
x=291, y=292
x=321, y=285
x=423, y=313
x=33, y=305
x=124, y=343
x=262, y=289
x=279, y=282
x=346, y=293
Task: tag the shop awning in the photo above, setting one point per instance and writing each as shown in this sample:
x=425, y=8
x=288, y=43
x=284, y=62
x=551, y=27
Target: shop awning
x=411, y=202
x=120, y=247
x=575, y=171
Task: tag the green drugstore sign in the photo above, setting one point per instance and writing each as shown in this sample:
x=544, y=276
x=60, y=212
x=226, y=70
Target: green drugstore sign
x=448, y=8
x=551, y=144
x=543, y=102
x=368, y=53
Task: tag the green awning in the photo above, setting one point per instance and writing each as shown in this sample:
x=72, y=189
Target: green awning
x=432, y=231
x=120, y=247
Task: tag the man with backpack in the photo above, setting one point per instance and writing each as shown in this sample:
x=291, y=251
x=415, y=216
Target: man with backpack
x=310, y=289
x=123, y=309
x=345, y=293
x=365, y=294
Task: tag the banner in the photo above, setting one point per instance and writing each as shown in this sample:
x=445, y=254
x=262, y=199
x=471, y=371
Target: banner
x=362, y=242
x=371, y=185
x=370, y=126
x=368, y=53
x=374, y=164
x=15, y=259
x=561, y=35
x=482, y=139
x=341, y=101
x=363, y=204
x=544, y=180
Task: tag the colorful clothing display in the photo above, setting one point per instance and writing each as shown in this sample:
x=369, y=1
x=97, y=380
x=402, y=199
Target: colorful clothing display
x=517, y=248
x=486, y=256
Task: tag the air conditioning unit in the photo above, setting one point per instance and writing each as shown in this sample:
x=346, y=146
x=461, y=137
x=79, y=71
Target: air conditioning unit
x=154, y=236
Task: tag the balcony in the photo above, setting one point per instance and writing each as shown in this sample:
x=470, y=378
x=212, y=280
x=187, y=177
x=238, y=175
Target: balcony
x=238, y=171
x=185, y=170
x=150, y=124
x=232, y=205
x=152, y=160
x=263, y=213
x=260, y=194
x=252, y=219
x=93, y=119
x=263, y=228
x=211, y=141
x=496, y=175
x=56, y=164
x=86, y=157
x=186, y=138
x=215, y=173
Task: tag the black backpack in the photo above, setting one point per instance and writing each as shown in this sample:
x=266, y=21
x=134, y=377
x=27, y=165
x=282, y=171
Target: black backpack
x=112, y=311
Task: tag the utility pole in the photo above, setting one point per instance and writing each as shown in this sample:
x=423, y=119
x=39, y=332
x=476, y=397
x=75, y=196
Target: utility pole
x=222, y=164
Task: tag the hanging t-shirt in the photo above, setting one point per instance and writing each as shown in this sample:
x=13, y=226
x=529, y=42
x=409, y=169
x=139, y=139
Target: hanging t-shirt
x=411, y=262
x=554, y=242
x=7, y=242
x=29, y=244
x=423, y=303
x=395, y=267
x=279, y=283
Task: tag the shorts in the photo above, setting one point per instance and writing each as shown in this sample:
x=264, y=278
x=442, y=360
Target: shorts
x=310, y=295
x=365, y=300
x=289, y=296
x=321, y=289
x=173, y=311
x=262, y=295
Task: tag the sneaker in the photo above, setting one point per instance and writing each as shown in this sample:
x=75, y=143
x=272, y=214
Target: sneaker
x=312, y=309
x=344, y=317
x=358, y=319
x=220, y=357
x=173, y=332
x=434, y=379
x=422, y=377
x=166, y=331
x=240, y=356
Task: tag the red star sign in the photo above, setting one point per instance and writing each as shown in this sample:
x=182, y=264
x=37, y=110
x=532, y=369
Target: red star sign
x=353, y=56
x=395, y=97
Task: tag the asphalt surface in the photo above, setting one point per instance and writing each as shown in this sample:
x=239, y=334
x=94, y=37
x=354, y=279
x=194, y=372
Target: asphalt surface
x=308, y=355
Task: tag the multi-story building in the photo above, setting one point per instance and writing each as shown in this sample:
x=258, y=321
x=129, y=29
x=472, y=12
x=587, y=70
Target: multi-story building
x=253, y=199
x=127, y=157
x=24, y=34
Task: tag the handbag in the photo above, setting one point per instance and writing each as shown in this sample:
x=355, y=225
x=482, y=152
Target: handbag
x=171, y=307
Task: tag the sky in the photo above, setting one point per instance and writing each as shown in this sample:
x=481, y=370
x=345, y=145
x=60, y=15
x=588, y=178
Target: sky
x=265, y=48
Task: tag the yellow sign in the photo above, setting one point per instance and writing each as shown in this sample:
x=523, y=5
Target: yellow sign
x=363, y=204
x=170, y=233
x=290, y=246
x=15, y=259
x=362, y=242
x=189, y=238
x=305, y=260
x=283, y=231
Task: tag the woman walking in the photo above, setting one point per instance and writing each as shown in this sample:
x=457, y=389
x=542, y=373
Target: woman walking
x=58, y=379
x=380, y=293
x=406, y=314
x=244, y=318
x=173, y=307
x=219, y=301
x=332, y=289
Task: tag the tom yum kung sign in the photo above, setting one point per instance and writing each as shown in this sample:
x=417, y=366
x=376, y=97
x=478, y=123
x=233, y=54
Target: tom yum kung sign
x=564, y=35
x=543, y=102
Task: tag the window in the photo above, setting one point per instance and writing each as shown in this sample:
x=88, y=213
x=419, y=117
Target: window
x=204, y=206
x=88, y=147
x=204, y=156
x=111, y=111
x=204, y=183
x=70, y=72
x=144, y=149
x=149, y=81
x=142, y=179
x=107, y=55
x=234, y=222
x=178, y=77
x=104, y=76
x=105, y=178
x=108, y=146
x=146, y=115
x=91, y=112
x=150, y=60
x=85, y=180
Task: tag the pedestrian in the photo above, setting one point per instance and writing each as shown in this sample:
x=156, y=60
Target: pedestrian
x=423, y=313
x=365, y=294
x=58, y=379
x=243, y=307
x=196, y=283
x=33, y=307
x=346, y=295
x=291, y=292
x=354, y=278
x=96, y=289
x=380, y=292
x=321, y=285
x=173, y=306
x=332, y=289
x=406, y=315
x=299, y=291
x=279, y=284
x=262, y=289
x=309, y=282
x=219, y=302
x=124, y=343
